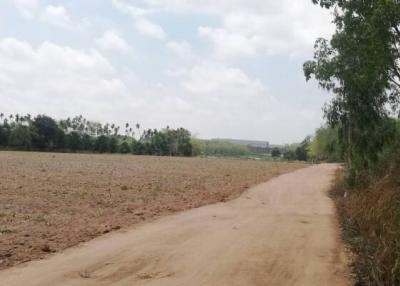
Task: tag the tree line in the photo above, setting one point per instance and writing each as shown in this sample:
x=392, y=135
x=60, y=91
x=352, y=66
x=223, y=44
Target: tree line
x=77, y=134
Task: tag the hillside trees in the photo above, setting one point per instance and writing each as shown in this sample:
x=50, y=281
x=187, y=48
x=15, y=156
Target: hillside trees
x=360, y=66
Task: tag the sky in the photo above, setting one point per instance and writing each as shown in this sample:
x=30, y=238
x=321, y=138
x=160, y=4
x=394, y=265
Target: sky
x=222, y=69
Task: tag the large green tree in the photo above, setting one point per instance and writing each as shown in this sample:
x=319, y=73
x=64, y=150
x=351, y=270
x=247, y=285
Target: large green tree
x=47, y=132
x=360, y=65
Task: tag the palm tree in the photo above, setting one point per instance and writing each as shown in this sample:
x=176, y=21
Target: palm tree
x=138, y=129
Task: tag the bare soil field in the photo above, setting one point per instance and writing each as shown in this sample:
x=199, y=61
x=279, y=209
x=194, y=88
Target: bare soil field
x=49, y=202
x=282, y=232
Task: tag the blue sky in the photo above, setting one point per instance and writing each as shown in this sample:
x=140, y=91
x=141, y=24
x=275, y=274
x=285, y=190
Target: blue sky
x=226, y=68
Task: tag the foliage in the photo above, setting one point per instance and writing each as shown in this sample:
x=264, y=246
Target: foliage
x=21, y=137
x=302, y=150
x=360, y=65
x=276, y=152
x=124, y=148
x=79, y=134
x=218, y=148
x=325, y=146
x=47, y=132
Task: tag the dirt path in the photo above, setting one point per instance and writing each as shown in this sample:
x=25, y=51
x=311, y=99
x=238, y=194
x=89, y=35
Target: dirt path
x=282, y=232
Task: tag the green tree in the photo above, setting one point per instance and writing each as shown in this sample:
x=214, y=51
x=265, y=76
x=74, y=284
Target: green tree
x=325, y=145
x=360, y=65
x=47, y=132
x=87, y=142
x=113, y=144
x=276, y=152
x=4, y=134
x=21, y=137
x=74, y=141
x=302, y=150
x=124, y=148
x=137, y=147
x=101, y=144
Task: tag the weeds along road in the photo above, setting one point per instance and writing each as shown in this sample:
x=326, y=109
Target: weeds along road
x=283, y=232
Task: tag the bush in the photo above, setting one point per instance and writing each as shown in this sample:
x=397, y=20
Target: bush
x=276, y=152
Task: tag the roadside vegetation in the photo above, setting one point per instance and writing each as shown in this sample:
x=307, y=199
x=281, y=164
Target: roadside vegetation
x=360, y=66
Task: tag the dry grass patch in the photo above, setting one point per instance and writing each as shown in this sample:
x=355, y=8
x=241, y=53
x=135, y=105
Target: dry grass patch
x=371, y=225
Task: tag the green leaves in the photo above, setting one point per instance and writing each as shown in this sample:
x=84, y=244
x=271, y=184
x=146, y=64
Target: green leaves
x=360, y=66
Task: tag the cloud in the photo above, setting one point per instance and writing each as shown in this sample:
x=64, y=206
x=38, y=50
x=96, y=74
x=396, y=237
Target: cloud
x=143, y=24
x=230, y=68
x=181, y=49
x=257, y=27
x=219, y=80
x=129, y=9
x=27, y=8
x=57, y=16
x=113, y=41
x=251, y=34
x=149, y=29
x=57, y=80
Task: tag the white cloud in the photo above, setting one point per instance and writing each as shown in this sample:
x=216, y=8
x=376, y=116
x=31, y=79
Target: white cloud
x=215, y=92
x=149, y=29
x=250, y=28
x=27, y=8
x=113, y=41
x=143, y=24
x=182, y=49
x=57, y=16
x=129, y=9
x=219, y=80
x=57, y=80
x=250, y=34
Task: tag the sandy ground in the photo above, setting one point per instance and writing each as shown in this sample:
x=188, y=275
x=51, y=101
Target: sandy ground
x=283, y=232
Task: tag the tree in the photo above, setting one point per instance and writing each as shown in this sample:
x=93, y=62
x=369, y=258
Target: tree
x=360, y=65
x=137, y=147
x=289, y=155
x=21, y=137
x=87, y=142
x=4, y=134
x=113, y=144
x=47, y=132
x=124, y=148
x=302, y=149
x=101, y=144
x=326, y=146
x=276, y=152
x=74, y=141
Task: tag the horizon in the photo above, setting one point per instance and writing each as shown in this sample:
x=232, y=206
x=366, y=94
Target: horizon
x=221, y=70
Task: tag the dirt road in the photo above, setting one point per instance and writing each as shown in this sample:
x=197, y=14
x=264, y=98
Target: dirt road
x=282, y=232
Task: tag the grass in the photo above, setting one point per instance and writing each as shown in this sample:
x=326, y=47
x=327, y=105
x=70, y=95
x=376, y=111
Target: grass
x=370, y=218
